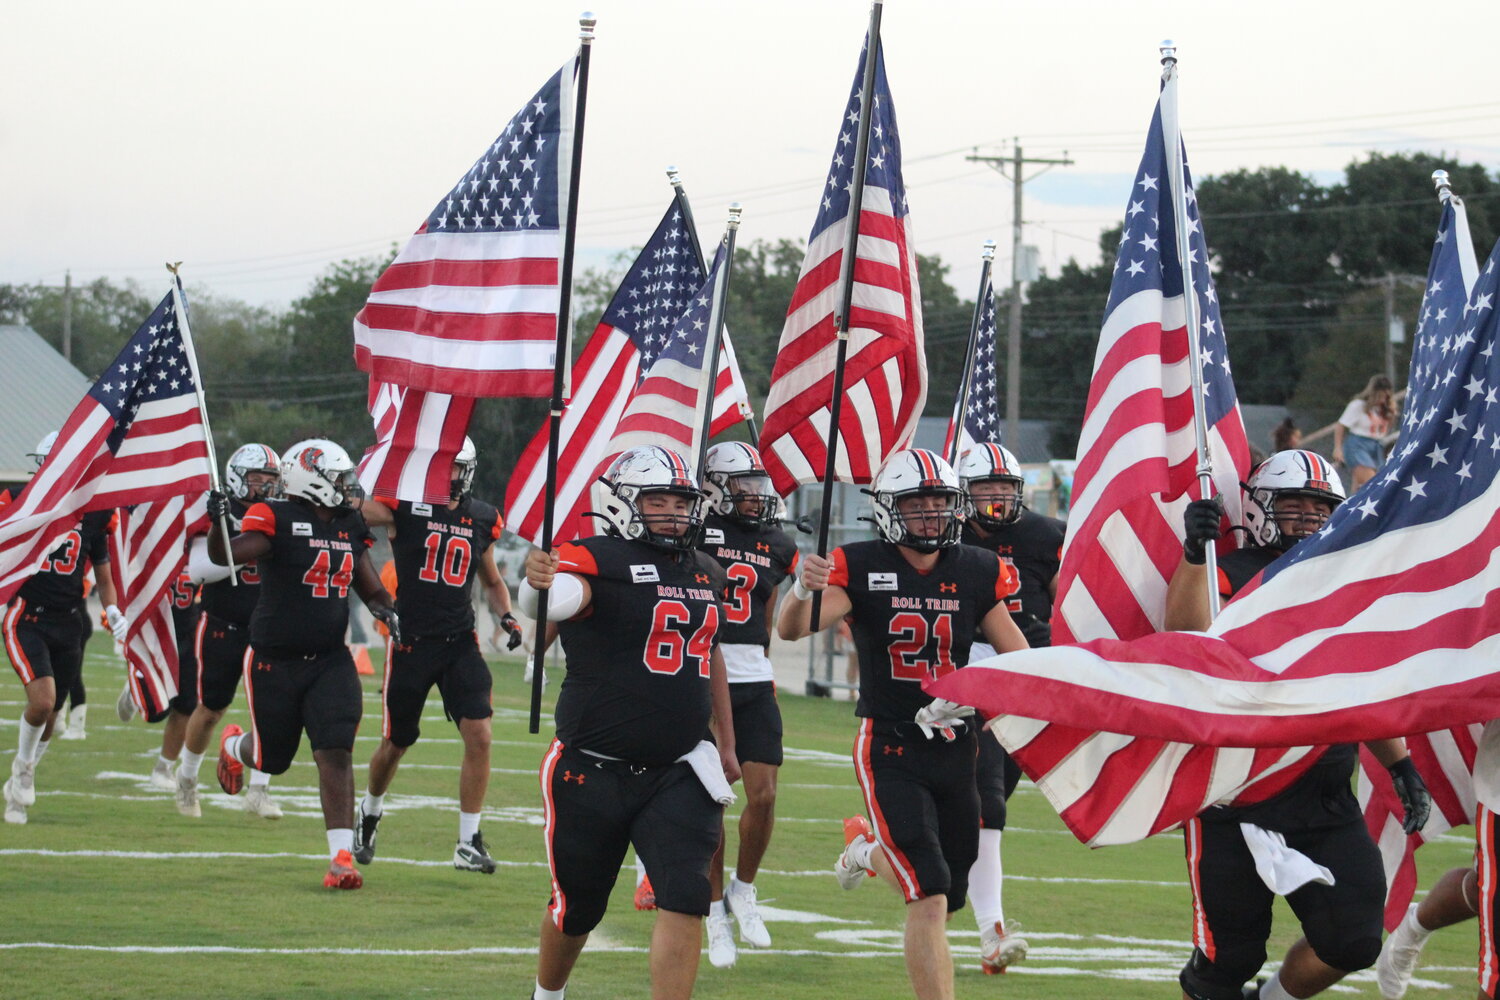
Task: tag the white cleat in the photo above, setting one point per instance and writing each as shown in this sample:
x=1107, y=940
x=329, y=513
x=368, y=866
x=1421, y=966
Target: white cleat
x=1398, y=957
x=161, y=776
x=186, y=792
x=999, y=950
x=76, y=724
x=125, y=705
x=22, y=783
x=850, y=873
x=739, y=897
x=721, y=949
x=258, y=801
x=15, y=812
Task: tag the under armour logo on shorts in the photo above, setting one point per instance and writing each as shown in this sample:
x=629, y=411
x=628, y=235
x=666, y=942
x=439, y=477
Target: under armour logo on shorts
x=570, y=776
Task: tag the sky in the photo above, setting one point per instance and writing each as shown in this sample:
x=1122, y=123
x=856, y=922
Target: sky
x=260, y=143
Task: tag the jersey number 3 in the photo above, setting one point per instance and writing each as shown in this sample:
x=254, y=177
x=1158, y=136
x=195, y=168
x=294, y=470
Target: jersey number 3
x=908, y=639
x=665, y=648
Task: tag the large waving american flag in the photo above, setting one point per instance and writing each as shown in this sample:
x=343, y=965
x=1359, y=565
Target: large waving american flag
x=470, y=305
x=137, y=436
x=1445, y=758
x=635, y=330
x=1386, y=622
x=886, y=374
x=417, y=436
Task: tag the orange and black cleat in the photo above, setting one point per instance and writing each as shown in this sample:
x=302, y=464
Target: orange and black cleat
x=342, y=874
x=645, y=896
x=231, y=771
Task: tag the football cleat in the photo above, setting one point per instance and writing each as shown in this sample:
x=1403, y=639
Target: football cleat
x=851, y=873
x=342, y=874
x=22, y=783
x=125, y=705
x=161, y=776
x=259, y=802
x=231, y=771
x=365, y=825
x=645, y=896
x=739, y=897
x=15, y=811
x=999, y=950
x=473, y=856
x=77, y=717
x=185, y=791
x=1398, y=958
x=721, y=949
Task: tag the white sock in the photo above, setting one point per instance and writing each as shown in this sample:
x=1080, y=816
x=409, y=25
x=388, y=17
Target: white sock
x=163, y=762
x=1414, y=926
x=260, y=778
x=1273, y=990
x=374, y=805
x=30, y=737
x=340, y=840
x=640, y=870
x=860, y=851
x=468, y=825
x=716, y=909
x=984, y=882
x=41, y=751
x=232, y=747
x=541, y=993
x=189, y=764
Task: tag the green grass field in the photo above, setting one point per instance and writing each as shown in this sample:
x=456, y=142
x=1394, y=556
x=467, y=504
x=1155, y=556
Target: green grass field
x=109, y=893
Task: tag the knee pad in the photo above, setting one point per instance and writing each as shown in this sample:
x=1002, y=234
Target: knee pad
x=1351, y=954
x=1224, y=978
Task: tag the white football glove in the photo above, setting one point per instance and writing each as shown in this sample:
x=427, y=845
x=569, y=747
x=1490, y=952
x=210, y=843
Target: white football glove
x=941, y=716
x=117, y=622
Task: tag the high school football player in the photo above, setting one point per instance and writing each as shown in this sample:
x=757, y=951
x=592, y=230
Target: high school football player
x=638, y=612
x=916, y=598
x=174, y=718
x=308, y=549
x=439, y=549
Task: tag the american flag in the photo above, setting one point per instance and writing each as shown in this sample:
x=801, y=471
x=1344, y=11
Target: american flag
x=1386, y=622
x=1444, y=758
x=137, y=436
x=147, y=552
x=634, y=331
x=470, y=305
x=886, y=374
x=417, y=436
x=981, y=417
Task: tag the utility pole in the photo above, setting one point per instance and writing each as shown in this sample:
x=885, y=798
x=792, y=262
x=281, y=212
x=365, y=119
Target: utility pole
x=1011, y=168
x=67, y=303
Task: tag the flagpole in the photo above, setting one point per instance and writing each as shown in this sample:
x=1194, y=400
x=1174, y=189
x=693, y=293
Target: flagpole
x=1468, y=264
x=586, y=22
x=1176, y=168
x=179, y=306
x=846, y=287
x=692, y=230
x=708, y=394
x=966, y=380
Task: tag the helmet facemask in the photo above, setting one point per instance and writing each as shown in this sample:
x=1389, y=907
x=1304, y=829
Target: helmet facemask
x=462, y=482
x=644, y=524
x=897, y=526
x=995, y=508
x=748, y=498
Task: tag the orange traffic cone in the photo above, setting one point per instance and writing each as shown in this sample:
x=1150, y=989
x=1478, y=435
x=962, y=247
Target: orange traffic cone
x=362, y=661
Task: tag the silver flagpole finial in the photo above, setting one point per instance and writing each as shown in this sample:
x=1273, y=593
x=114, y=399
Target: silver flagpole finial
x=988, y=252
x=674, y=177
x=1440, y=182
x=1168, y=50
x=735, y=208
x=586, y=22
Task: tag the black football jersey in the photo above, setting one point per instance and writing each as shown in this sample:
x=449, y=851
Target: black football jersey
x=909, y=625
x=1239, y=567
x=226, y=600
x=305, y=579
x=184, y=608
x=638, y=656
x=437, y=553
x=756, y=558
x=58, y=582
x=1033, y=546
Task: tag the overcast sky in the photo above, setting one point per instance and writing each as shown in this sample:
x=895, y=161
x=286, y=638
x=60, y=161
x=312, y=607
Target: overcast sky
x=260, y=142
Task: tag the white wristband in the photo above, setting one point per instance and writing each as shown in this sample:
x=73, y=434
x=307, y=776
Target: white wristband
x=563, y=602
x=800, y=591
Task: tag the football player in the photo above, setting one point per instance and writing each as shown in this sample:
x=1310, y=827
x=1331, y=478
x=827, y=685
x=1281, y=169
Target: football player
x=184, y=604
x=44, y=639
x=252, y=474
x=439, y=549
x=638, y=611
x=1289, y=497
x=740, y=532
x=1030, y=543
x=309, y=550
x=916, y=599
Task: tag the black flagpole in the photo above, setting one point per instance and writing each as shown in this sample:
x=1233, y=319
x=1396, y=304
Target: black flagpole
x=586, y=22
x=846, y=288
x=966, y=380
x=692, y=230
x=716, y=339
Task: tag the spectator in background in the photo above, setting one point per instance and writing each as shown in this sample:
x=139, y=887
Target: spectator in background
x=1286, y=437
x=1356, y=437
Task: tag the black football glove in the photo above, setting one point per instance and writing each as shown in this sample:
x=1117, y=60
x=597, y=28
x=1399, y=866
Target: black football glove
x=1200, y=525
x=391, y=621
x=512, y=629
x=218, y=505
x=1412, y=791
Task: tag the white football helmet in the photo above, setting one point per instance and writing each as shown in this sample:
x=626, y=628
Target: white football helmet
x=917, y=472
x=467, y=461
x=248, y=458
x=1287, y=473
x=43, y=449
x=320, y=472
x=644, y=470
x=988, y=462
x=734, y=474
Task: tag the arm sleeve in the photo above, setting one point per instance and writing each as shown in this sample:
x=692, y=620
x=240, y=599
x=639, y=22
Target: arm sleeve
x=260, y=518
x=838, y=574
x=200, y=568
x=563, y=602
x=575, y=558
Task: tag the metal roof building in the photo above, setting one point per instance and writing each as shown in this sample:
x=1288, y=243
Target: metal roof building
x=38, y=389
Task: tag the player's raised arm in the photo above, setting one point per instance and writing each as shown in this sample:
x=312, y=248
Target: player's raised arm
x=795, y=618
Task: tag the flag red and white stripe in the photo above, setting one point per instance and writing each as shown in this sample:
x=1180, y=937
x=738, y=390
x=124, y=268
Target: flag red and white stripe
x=417, y=436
